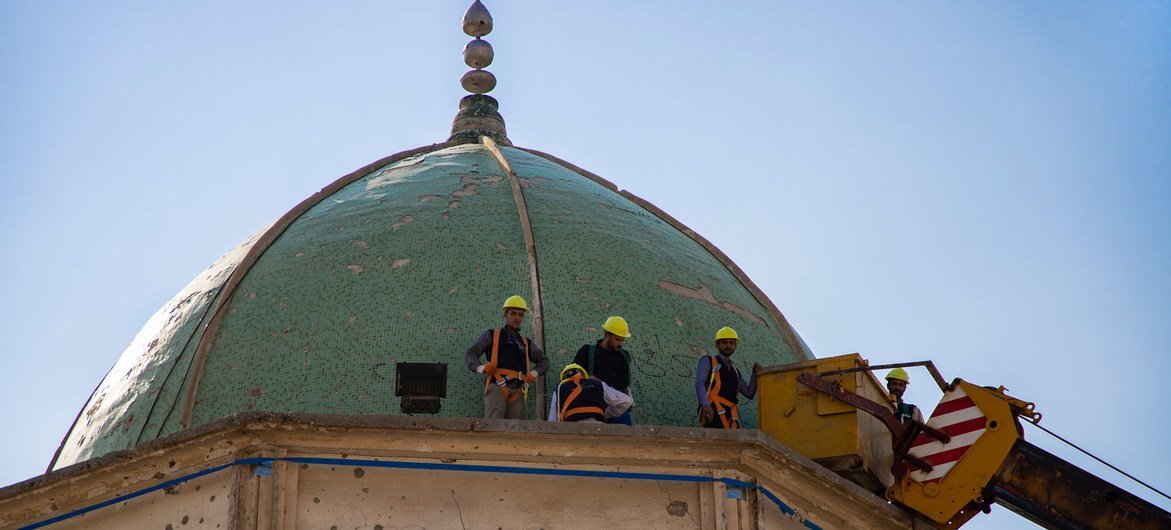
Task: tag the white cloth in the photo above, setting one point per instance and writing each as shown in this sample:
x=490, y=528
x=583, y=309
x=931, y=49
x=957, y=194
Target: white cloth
x=616, y=403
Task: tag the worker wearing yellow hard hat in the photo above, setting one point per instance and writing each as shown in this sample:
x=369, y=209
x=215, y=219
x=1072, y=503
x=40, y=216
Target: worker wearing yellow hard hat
x=606, y=360
x=586, y=399
x=571, y=370
x=719, y=385
x=511, y=362
x=896, y=383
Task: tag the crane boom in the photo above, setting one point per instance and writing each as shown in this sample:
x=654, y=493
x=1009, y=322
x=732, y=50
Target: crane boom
x=1057, y=494
x=969, y=454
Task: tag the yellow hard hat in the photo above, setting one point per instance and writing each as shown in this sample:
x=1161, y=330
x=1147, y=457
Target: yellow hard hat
x=515, y=302
x=727, y=333
x=900, y=374
x=570, y=367
x=617, y=326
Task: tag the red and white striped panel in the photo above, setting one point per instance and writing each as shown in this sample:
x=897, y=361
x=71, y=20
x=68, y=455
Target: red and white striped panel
x=961, y=419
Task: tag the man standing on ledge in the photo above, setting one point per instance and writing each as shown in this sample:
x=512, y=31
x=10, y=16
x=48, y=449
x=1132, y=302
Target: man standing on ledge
x=606, y=360
x=717, y=384
x=513, y=361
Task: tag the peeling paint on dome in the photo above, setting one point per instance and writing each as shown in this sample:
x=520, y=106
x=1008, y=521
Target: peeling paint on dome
x=132, y=402
x=409, y=260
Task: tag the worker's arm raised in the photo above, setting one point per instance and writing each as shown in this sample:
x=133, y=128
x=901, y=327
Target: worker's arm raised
x=748, y=389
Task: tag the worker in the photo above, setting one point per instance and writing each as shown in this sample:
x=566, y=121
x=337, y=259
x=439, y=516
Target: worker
x=606, y=360
x=587, y=399
x=896, y=382
x=718, y=384
x=512, y=362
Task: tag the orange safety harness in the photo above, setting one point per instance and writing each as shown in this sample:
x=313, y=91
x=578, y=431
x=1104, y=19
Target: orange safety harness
x=566, y=412
x=722, y=405
x=502, y=375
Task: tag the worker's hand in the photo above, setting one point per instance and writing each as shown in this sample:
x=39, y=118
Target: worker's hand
x=531, y=376
x=706, y=413
x=755, y=368
x=487, y=368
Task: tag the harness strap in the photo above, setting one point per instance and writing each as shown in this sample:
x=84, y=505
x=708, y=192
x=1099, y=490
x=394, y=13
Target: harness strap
x=566, y=412
x=730, y=421
x=502, y=375
x=728, y=411
x=584, y=410
x=572, y=396
x=904, y=412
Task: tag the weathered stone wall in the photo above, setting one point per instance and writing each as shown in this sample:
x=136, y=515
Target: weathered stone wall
x=306, y=471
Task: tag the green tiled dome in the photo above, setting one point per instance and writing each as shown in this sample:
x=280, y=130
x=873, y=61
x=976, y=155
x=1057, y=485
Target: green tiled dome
x=409, y=259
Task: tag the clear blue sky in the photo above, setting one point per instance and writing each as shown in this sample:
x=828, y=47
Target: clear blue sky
x=984, y=184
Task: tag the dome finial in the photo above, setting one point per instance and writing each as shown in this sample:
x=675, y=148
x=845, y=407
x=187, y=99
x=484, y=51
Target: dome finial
x=478, y=115
x=477, y=20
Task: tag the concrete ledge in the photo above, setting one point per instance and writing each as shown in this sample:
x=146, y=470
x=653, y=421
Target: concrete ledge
x=828, y=498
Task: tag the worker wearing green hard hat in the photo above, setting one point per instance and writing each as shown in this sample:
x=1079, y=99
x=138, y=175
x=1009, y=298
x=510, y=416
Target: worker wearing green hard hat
x=512, y=362
x=606, y=360
x=896, y=383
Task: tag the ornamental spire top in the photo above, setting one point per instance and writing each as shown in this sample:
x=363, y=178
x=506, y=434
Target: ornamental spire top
x=478, y=112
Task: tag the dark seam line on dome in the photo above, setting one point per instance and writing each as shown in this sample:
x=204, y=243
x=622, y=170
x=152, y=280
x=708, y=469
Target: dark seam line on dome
x=259, y=247
x=57, y=454
x=787, y=330
x=472, y=468
x=178, y=391
x=162, y=425
x=526, y=227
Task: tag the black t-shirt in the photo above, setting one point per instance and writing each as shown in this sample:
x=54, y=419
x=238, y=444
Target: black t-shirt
x=609, y=366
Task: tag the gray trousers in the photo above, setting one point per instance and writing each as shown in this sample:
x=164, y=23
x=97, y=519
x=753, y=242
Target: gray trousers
x=497, y=406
